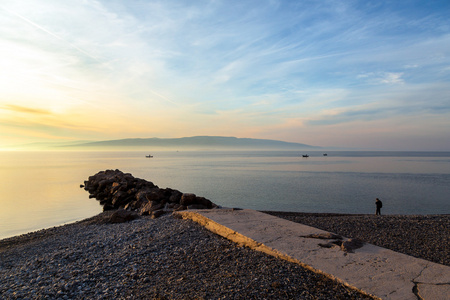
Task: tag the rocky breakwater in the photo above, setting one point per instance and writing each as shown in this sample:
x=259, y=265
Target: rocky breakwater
x=117, y=190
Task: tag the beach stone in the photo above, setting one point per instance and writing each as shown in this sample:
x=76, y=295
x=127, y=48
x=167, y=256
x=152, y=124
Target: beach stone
x=203, y=201
x=172, y=205
x=141, y=194
x=115, y=189
x=122, y=216
x=187, y=199
x=88, y=253
x=150, y=207
x=115, y=186
x=196, y=206
x=119, y=198
x=180, y=207
x=135, y=205
x=157, y=213
x=156, y=195
x=175, y=196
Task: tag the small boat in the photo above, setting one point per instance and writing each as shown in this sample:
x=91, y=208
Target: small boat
x=325, y=154
x=149, y=156
x=305, y=155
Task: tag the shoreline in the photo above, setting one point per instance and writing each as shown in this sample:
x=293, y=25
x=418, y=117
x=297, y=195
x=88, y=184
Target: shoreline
x=290, y=215
x=169, y=258
x=273, y=212
x=426, y=235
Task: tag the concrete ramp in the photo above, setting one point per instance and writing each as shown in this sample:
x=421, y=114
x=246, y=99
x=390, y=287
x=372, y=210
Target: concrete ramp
x=373, y=270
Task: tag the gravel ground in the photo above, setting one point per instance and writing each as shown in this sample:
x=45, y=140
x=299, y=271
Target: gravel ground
x=169, y=258
x=164, y=258
x=423, y=236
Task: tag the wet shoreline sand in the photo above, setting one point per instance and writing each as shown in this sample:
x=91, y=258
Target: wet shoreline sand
x=168, y=258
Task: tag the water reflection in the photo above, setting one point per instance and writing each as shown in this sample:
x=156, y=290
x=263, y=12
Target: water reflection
x=41, y=189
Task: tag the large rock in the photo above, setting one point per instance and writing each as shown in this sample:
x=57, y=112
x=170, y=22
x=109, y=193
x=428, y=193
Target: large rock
x=115, y=189
x=187, y=199
x=121, y=216
x=150, y=207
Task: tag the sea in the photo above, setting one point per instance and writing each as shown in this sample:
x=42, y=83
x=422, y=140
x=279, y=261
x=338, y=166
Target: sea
x=41, y=189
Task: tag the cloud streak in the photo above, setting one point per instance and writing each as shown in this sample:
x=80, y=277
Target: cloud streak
x=272, y=69
x=28, y=21
x=28, y=110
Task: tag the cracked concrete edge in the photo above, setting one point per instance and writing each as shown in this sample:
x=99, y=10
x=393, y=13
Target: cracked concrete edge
x=416, y=284
x=436, y=290
x=432, y=291
x=428, y=275
x=240, y=239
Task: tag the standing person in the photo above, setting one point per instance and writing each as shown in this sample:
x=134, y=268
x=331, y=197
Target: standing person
x=379, y=205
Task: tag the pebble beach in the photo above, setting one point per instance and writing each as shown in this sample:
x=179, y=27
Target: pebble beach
x=421, y=236
x=170, y=258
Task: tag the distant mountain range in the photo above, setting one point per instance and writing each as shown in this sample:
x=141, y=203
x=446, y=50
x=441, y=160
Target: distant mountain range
x=196, y=142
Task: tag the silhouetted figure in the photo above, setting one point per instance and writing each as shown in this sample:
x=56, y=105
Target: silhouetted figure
x=379, y=205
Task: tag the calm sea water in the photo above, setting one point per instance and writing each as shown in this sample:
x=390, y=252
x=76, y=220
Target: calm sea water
x=41, y=189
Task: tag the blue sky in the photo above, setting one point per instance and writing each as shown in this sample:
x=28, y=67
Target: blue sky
x=360, y=74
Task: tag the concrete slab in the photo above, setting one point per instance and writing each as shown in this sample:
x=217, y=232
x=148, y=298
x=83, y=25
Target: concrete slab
x=376, y=271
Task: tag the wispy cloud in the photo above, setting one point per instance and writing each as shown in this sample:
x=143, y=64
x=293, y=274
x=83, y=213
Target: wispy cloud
x=392, y=78
x=176, y=68
x=21, y=109
x=382, y=78
x=35, y=25
x=416, y=103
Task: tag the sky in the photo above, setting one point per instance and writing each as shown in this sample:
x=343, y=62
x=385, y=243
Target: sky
x=357, y=74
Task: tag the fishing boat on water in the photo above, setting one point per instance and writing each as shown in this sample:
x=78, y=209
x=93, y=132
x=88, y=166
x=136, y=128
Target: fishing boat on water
x=149, y=156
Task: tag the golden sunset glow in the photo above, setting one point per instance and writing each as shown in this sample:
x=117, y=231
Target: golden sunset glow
x=351, y=74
